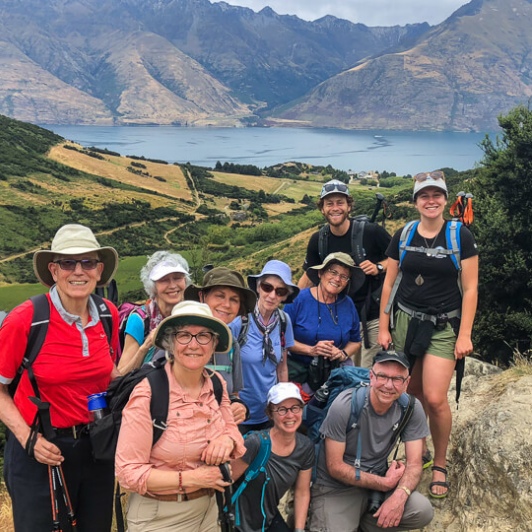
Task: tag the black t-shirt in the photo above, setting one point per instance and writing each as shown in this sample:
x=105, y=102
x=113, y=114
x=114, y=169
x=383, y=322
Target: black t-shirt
x=375, y=241
x=437, y=289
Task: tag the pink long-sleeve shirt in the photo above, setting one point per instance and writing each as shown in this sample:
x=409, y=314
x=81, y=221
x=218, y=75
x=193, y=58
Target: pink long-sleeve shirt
x=191, y=424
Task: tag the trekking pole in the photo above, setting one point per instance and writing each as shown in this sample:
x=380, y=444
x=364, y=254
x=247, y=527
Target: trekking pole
x=56, y=525
x=227, y=514
x=380, y=199
x=66, y=497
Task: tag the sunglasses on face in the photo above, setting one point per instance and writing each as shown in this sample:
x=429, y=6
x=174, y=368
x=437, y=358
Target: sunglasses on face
x=279, y=292
x=203, y=338
x=334, y=187
x=70, y=264
x=423, y=176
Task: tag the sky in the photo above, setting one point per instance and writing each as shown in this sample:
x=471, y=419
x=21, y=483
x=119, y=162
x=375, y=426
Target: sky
x=368, y=12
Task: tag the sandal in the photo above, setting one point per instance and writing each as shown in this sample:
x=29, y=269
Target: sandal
x=442, y=483
x=427, y=459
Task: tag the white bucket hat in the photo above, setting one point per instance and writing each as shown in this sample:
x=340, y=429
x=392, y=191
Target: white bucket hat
x=194, y=313
x=74, y=239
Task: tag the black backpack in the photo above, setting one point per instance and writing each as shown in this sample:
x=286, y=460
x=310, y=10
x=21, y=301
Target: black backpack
x=104, y=431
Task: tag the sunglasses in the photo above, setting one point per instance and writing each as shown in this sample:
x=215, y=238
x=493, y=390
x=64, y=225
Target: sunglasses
x=423, y=176
x=334, y=187
x=279, y=292
x=70, y=264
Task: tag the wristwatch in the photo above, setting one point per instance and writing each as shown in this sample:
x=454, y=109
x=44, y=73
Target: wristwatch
x=380, y=268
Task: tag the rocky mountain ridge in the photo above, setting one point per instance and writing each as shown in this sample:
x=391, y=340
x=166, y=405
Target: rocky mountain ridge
x=167, y=61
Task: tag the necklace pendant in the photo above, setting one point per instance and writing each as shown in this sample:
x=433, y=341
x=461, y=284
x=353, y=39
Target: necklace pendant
x=419, y=279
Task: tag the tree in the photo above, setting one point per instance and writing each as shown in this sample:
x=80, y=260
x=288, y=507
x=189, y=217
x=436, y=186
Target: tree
x=503, y=209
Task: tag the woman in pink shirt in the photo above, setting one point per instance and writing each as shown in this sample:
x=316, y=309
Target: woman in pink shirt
x=174, y=481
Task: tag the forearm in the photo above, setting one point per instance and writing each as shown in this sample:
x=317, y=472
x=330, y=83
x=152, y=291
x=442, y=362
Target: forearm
x=282, y=368
x=469, y=309
x=304, y=281
x=347, y=475
x=352, y=348
x=303, y=349
x=301, y=505
x=132, y=356
x=11, y=417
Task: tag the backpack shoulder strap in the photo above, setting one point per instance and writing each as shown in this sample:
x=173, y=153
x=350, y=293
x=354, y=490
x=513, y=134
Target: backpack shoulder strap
x=256, y=466
x=217, y=385
x=36, y=337
x=357, y=236
x=160, y=397
x=104, y=312
x=359, y=400
x=407, y=234
x=406, y=401
x=282, y=321
x=452, y=238
x=323, y=241
x=243, y=335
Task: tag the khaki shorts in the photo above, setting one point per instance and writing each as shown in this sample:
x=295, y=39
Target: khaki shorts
x=441, y=345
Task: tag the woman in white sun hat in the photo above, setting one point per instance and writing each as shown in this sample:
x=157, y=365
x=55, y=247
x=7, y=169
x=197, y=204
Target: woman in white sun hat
x=165, y=277
x=76, y=359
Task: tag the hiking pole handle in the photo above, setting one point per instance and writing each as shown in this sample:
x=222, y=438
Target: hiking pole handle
x=380, y=199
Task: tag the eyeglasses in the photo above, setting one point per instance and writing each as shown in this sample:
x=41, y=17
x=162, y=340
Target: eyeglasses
x=279, y=292
x=397, y=380
x=282, y=410
x=334, y=273
x=70, y=264
x=334, y=187
x=203, y=338
x=423, y=176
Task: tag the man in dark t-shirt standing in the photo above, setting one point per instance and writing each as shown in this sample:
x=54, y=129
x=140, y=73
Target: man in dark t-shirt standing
x=336, y=204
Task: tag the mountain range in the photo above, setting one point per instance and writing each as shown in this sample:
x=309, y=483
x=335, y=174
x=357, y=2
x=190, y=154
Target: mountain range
x=193, y=62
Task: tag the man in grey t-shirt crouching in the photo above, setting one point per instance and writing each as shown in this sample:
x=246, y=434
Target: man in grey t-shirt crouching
x=342, y=496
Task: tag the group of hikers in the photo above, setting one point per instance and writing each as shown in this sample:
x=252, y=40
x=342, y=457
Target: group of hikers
x=238, y=373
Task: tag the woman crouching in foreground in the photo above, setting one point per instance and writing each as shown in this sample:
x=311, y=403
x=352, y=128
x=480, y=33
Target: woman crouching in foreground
x=175, y=480
x=290, y=464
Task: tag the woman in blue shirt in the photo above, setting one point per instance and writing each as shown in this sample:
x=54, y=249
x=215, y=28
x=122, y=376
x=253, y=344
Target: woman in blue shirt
x=325, y=322
x=269, y=334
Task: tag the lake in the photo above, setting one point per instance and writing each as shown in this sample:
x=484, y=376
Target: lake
x=394, y=151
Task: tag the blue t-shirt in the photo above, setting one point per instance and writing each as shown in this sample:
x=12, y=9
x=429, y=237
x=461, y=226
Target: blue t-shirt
x=313, y=321
x=259, y=377
x=135, y=328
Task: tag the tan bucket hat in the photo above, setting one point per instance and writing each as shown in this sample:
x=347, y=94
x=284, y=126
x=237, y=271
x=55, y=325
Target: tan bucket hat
x=338, y=257
x=74, y=239
x=194, y=313
x=225, y=277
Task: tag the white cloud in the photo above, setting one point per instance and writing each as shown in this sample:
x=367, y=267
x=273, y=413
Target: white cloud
x=369, y=12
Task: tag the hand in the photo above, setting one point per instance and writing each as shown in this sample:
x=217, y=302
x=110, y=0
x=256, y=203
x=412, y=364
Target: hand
x=369, y=268
x=46, y=452
x=148, y=341
x=463, y=347
x=218, y=450
x=394, y=474
x=239, y=412
x=323, y=348
x=337, y=354
x=384, y=339
x=205, y=476
x=391, y=510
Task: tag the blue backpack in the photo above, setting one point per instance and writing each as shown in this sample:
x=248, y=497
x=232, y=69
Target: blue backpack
x=342, y=379
x=257, y=466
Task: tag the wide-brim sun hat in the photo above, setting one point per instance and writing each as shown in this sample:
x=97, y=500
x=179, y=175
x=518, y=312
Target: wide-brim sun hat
x=282, y=391
x=194, y=313
x=337, y=257
x=434, y=179
x=334, y=186
x=282, y=270
x=221, y=276
x=74, y=239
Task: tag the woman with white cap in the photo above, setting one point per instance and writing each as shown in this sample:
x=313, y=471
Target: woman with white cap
x=433, y=309
x=165, y=277
x=76, y=359
x=326, y=324
x=289, y=464
x=269, y=334
x=174, y=481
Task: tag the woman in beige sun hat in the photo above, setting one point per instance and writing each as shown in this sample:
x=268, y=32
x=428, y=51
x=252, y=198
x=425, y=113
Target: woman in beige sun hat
x=76, y=359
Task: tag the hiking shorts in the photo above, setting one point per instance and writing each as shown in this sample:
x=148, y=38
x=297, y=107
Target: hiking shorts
x=442, y=342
